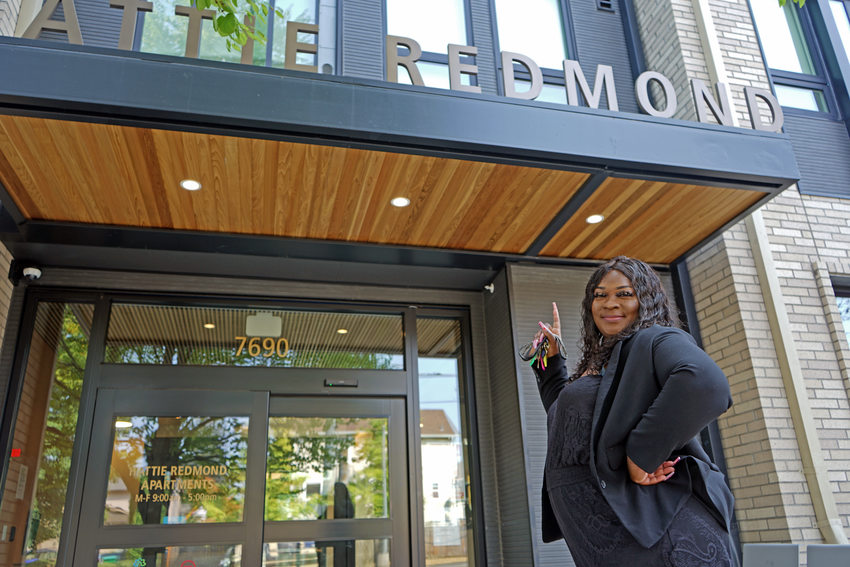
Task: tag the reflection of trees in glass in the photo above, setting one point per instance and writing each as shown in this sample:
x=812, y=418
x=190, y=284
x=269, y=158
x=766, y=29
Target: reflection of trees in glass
x=61, y=423
x=190, y=441
x=321, y=452
x=226, y=356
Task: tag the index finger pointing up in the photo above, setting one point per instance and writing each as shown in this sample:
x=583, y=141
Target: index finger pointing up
x=556, y=319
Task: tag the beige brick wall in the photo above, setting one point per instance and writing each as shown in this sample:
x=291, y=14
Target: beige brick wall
x=809, y=239
x=9, y=16
x=5, y=289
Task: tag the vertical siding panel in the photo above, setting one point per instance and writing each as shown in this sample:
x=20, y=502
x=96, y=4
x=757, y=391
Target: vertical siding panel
x=482, y=38
x=600, y=39
x=362, y=32
x=822, y=148
x=515, y=522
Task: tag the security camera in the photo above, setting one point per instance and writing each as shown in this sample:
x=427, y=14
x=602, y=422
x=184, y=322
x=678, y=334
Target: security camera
x=31, y=273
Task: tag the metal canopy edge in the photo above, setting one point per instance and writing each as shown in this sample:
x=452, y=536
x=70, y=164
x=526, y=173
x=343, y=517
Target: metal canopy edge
x=174, y=92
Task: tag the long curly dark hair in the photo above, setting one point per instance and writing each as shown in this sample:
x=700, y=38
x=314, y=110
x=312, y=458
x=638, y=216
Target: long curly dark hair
x=653, y=309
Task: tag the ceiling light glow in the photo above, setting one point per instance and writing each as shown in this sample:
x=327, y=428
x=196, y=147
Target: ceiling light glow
x=209, y=325
x=594, y=219
x=121, y=424
x=342, y=331
x=190, y=184
x=400, y=202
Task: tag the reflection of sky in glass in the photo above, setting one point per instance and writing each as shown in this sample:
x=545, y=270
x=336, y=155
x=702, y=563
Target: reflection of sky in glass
x=549, y=93
x=433, y=24
x=438, y=383
x=795, y=97
x=433, y=74
x=844, y=308
x=775, y=35
x=840, y=16
x=533, y=28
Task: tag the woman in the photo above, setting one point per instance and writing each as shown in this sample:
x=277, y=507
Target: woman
x=626, y=481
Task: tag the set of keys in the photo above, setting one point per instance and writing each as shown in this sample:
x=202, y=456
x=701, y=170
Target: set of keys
x=537, y=352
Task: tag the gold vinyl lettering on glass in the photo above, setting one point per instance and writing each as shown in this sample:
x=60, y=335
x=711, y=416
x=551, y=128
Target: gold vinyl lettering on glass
x=176, y=470
x=239, y=336
x=327, y=468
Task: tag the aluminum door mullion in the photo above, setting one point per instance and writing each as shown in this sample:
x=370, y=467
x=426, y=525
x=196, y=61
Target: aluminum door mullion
x=255, y=480
x=328, y=530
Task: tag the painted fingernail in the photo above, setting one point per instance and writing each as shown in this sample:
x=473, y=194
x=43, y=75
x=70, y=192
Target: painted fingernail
x=669, y=475
x=677, y=460
x=542, y=326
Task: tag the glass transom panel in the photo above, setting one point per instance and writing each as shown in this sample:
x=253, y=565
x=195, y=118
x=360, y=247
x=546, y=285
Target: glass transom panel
x=238, y=336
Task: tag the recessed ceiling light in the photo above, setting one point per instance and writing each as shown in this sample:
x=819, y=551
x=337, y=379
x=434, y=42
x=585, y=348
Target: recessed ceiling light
x=400, y=202
x=594, y=219
x=209, y=325
x=342, y=331
x=190, y=184
x=121, y=424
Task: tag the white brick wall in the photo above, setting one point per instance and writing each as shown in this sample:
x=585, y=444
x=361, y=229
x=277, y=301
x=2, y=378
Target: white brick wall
x=809, y=240
x=9, y=16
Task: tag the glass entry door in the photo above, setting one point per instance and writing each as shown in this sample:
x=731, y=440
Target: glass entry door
x=231, y=479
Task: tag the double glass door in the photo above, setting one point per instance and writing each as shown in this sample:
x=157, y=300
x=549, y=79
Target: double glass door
x=199, y=478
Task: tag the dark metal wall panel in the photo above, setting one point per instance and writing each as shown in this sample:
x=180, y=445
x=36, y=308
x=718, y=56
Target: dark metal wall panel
x=362, y=34
x=533, y=289
x=100, y=25
x=486, y=439
x=601, y=40
x=515, y=521
x=822, y=148
x=482, y=38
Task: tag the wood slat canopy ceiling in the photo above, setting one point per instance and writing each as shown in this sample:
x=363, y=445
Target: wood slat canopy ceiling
x=105, y=174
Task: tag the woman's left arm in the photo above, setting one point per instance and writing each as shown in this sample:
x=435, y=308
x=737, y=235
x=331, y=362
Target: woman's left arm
x=694, y=392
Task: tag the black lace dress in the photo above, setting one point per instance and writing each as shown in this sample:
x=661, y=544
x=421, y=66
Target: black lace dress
x=594, y=535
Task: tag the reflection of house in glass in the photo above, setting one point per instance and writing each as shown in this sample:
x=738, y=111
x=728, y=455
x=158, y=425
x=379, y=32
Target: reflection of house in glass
x=443, y=487
x=325, y=468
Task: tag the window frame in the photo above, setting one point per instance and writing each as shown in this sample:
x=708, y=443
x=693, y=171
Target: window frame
x=820, y=81
x=551, y=76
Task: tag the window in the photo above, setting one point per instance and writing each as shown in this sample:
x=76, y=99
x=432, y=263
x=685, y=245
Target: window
x=444, y=430
x=795, y=66
x=536, y=29
x=167, y=33
x=841, y=16
x=433, y=25
x=843, y=298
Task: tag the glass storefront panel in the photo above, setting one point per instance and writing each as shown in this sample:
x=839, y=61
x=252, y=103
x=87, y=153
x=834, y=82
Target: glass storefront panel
x=359, y=553
x=443, y=428
x=43, y=438
x=172, y=556
x=327, y=468
x=177, y=470
x=234, y=336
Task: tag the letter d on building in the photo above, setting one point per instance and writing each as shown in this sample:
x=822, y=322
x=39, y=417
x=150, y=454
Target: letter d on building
x=758, y=121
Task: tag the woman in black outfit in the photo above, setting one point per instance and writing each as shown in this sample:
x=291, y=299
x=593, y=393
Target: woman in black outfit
x=626, y=482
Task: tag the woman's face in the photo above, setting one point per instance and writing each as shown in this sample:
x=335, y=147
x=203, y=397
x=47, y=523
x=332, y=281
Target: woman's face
x=615, y=304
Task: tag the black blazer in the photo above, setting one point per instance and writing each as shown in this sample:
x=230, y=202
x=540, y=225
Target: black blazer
x=657, y=393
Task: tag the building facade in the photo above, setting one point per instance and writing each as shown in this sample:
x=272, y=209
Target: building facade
x=280, y=367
